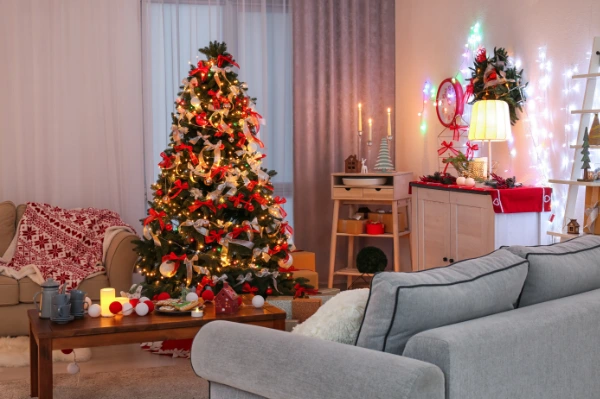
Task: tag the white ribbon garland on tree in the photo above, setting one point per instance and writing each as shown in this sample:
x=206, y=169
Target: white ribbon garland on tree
x=243, y=279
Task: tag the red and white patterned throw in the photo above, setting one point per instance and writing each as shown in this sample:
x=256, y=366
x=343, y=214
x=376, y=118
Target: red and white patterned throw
x=68, y=245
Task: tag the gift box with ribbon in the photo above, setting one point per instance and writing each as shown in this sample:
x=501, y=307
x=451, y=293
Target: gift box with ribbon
x=303, y=308
x=285, y=302
x=388, y=220
x=303, y=260
x=592, y=202
x=375, y=228
x=351, y=226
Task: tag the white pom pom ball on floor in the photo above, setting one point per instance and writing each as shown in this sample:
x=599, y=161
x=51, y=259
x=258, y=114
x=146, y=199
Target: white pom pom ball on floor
x=73, y=368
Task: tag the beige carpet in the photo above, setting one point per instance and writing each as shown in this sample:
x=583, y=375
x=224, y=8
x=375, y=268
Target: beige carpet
x=14, y=352
x=148, y=383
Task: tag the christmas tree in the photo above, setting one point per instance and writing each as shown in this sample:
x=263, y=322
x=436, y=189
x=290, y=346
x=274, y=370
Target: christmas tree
x=585, y=159
x=214, y=218
x=384, y=162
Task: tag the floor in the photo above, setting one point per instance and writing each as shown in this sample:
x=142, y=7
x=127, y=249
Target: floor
x=106, y=358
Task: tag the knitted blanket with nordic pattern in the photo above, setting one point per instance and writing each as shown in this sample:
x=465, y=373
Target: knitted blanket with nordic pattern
x=68, y=245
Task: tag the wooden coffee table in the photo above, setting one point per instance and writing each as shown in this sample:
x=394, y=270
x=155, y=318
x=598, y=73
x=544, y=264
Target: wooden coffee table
x=44, y=336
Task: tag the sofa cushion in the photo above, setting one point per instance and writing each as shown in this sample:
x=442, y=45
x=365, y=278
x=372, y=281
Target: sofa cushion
x=20, y=211
x=8, y=214
x=9, y=291
x=560, y=270
x=401, y=305
x=92, y=286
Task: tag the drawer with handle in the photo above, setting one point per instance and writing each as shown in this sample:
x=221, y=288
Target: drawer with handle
x=347, y=193
x=379, y=193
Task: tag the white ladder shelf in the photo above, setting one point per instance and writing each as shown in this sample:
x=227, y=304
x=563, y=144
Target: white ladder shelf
x=592, y=79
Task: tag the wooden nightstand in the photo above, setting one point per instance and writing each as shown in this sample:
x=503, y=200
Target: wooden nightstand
x=394, y=192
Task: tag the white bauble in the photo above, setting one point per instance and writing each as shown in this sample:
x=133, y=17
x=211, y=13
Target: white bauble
x=141, y=309
x=94, y=310
x=127, y=309
x=195, y=101
x=470, y=182
x=144, y=299
x=167, y=269
x=258, y=301
x=461, y=181
x=286, y=263
x=72, y=368
x=191, y=297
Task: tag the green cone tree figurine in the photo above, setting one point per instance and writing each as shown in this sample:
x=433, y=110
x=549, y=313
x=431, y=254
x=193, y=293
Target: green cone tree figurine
x=214, y=218
x=384, y=162
x=585, y=152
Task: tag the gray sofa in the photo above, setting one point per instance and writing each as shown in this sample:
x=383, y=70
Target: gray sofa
x=546, y=347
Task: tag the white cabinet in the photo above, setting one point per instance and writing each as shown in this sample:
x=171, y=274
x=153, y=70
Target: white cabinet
x=451, y=225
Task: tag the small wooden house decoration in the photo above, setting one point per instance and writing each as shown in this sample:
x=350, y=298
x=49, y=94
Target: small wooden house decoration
x=573, y=227
x=227, y=300
x=351, y=164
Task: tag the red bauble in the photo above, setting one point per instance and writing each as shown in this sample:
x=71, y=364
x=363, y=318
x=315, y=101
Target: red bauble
x=269, y=291
x=150, y=306
x=159, y=193
x=155, y=297
x=115, y=307
x=67, y=351
x=169, y=227
x=134, y=302
x=493, y=75
x=208, y=295
x=163, y=295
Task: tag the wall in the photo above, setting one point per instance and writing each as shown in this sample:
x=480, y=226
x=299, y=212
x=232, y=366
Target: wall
x=430, y=38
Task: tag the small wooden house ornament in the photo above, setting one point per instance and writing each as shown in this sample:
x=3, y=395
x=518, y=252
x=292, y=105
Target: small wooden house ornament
x=351, y=164
x=227, y=300
x=573, y=227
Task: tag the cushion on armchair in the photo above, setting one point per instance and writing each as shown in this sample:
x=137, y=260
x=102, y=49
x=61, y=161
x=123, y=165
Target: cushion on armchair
x=8, y=215
x=401, y=305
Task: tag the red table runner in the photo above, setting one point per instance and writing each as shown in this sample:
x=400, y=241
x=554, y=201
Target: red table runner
x=509, y=200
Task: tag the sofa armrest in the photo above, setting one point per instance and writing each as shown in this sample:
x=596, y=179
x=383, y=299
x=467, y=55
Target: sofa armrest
x=120, y=261
x=276, y=364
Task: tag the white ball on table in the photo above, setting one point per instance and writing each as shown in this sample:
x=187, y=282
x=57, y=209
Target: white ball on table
x=141, y=309
x=460, y=181
x=94, y=310
x=258, y=301
x=127, y=309
x=144, y=299
x=191, y=297
x=470, y=182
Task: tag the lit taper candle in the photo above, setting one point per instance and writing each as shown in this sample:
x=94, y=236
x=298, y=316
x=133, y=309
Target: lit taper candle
x=359, y=118
x=389, y=122
x=370, y=129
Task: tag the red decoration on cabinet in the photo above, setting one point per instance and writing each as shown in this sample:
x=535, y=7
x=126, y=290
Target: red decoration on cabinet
x=226, y=301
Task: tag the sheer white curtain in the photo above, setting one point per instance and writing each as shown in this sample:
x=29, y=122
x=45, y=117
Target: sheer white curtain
x=258, y=34
x=71, y=104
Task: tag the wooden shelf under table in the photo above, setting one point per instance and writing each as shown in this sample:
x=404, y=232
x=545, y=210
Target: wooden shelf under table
x=384, y=235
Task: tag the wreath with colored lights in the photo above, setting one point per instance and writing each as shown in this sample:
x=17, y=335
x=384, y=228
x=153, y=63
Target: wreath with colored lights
x=495, y=78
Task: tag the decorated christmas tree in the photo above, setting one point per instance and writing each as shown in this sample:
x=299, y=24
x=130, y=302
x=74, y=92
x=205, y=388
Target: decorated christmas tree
x=384, y=162
x=214, y=218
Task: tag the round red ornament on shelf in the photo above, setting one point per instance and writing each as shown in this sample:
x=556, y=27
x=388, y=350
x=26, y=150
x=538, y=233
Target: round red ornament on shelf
x=269, y=291
x=449, y=102
x=150, y=306
x=134, y=302
x=115, y=307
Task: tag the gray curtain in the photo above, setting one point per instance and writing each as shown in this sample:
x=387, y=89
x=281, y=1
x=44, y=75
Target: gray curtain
x=343, y=55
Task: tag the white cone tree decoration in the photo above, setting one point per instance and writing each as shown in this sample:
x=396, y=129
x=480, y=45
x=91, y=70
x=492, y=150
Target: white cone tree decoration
x=384, y=162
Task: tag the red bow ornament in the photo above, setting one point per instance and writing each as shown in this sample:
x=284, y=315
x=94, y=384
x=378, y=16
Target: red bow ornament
x=198, y=204
x=237, y=199
x=258, y=198
x=239, y=230
x=178, y=187
x=203, y=69
x=167, y=161
x=278, y=248
x=248, y=288
x=471, y=148
x=219, y=170
x=447, y=146
x=155, y=216
x=302, y=291
x=285, y=227
x=214, y=236
x=190, y=150
x=279, y=200
x=225, y=58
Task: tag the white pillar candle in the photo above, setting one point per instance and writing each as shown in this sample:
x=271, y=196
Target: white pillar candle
x=389, y=130
x=197, y=313
x=360, y=118
x=370, y=129
x=121, y=299
x=107, y=296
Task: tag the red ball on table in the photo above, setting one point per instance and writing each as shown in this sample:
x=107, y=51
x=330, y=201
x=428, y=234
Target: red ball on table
x=208, y=295
x=134, y=302
x=150, y=306
x=115, y=307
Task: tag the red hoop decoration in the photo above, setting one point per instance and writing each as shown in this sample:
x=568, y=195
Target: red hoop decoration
x=449, y=102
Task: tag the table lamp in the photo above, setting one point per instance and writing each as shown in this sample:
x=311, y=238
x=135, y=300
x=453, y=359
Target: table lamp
x=490, y=121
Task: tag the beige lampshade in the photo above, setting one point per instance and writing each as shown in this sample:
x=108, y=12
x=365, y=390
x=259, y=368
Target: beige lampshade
x=490, y=121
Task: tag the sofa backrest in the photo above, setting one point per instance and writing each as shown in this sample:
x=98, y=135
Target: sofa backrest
x=544, y=351
x=559, y=270
x=8, y=219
